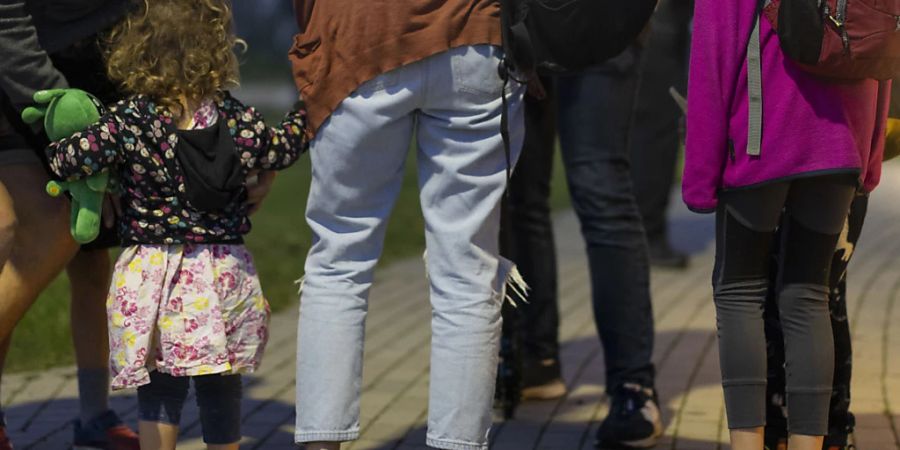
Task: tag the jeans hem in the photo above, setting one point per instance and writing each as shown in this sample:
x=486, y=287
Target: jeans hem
x=326, y=436
x=448, y=444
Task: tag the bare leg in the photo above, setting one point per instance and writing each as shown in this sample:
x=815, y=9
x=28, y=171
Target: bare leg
x=804, y=442
x=41, y=246
x=747, y=439
x=8, y=223
x=234, y=446
x=4, y=349
x=157, y=435
x=323, y=446
x=89, y=275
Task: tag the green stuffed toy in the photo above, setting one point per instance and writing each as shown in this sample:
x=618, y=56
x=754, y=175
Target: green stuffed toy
x=66, y=112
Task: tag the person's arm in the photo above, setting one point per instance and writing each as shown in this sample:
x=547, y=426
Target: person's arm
x=716, y=60
x=92, y=151
x=264, y=147
x=286, y=142
x=26, y=67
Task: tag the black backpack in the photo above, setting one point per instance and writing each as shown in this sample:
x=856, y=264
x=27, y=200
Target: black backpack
x=555, y=36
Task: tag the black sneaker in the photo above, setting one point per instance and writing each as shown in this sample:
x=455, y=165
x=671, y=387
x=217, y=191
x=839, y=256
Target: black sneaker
x=542, y=380
x=840, y=435
x=663, y=255
x=633, y=421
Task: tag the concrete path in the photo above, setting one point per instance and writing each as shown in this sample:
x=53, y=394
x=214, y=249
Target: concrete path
x=41, y=405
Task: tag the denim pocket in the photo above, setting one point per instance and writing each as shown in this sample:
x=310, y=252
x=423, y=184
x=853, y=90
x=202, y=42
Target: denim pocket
x=476, y=70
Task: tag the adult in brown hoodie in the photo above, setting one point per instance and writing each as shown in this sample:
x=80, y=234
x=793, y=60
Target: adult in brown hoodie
x=375, y=75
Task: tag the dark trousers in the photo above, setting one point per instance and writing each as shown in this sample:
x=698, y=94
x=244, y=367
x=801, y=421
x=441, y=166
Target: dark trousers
x=655, y=137
x=815, y=209
x=840, y=420
x=590, y=112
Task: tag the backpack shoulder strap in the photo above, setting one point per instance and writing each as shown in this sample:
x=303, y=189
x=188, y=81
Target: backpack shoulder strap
x=754, y=87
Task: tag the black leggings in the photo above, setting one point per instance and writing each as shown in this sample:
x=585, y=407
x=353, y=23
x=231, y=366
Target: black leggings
x=814, y=213
x=218, y=398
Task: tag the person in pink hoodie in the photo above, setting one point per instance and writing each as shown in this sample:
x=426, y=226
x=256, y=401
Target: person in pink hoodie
x=822, y=142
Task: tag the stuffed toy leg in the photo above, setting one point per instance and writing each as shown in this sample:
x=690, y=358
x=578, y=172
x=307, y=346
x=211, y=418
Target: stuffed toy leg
x=66, y=112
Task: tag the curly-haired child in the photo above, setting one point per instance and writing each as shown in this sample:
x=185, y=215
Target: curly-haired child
x=186, y=301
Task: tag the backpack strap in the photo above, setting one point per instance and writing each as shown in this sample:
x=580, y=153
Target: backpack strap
x=754, y=86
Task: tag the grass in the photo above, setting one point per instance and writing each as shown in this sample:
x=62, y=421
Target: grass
x=279, y=241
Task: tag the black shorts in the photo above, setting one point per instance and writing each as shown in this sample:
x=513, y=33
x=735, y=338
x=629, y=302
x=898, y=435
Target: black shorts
x=83, y=66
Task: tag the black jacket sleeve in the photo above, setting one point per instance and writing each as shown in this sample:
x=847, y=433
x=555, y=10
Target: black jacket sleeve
x=26, y=67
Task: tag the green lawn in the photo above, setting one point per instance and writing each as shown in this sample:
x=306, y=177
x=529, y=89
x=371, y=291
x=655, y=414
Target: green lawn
x=279, y=241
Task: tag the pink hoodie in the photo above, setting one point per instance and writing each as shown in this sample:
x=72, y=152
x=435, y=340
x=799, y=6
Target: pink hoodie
x=810, y=126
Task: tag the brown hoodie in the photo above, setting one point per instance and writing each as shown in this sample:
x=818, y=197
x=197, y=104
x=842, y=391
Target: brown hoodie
x=344, y=43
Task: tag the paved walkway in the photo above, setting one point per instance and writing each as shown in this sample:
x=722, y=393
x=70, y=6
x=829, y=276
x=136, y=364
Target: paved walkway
x=40, y=405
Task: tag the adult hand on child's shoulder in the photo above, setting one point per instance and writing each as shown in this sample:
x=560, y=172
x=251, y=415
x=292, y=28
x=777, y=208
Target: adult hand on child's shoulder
x=259, y=183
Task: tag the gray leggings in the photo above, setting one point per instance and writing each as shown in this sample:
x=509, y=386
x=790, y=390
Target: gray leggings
x=815, y=209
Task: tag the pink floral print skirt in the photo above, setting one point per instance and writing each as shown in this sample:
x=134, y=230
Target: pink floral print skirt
x=185, y=310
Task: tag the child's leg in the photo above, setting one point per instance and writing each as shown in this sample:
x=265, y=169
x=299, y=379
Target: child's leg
x=219, y=400
x=840, y=420
x=159, y=406
x=746, y=221
x=816, y=212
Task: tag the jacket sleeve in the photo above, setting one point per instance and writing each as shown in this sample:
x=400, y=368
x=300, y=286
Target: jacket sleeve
x=718, y=50
x=26, y=68
x=264, y=147
x=879, y=151
x=94, y=150
x=284, y=143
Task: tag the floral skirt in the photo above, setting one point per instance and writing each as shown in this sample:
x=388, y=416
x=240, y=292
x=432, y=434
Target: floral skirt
x=185, y=310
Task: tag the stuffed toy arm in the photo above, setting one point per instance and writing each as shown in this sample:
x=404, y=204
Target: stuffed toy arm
x=84, y=147
x=87, y=204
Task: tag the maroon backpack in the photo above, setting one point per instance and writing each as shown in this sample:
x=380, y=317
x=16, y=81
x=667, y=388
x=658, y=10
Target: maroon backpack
x=840, y=39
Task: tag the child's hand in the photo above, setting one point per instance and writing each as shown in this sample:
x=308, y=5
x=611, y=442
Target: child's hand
x=258, y=186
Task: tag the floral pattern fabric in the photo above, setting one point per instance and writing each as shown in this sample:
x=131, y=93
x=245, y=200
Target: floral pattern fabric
x=136, y=142
x=185, y=310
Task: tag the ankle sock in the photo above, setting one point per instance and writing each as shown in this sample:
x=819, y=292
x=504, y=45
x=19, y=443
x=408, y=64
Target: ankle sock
x=93, y=393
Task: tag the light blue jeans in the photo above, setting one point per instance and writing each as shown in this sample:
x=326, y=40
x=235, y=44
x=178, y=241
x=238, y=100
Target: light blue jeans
x=451, y=104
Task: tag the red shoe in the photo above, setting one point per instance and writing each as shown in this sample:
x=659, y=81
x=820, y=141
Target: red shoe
x=121, y=437
x=106, y=432
x=4, y=440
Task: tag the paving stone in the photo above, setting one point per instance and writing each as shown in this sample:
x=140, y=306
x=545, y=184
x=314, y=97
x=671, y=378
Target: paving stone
x=395, y=378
